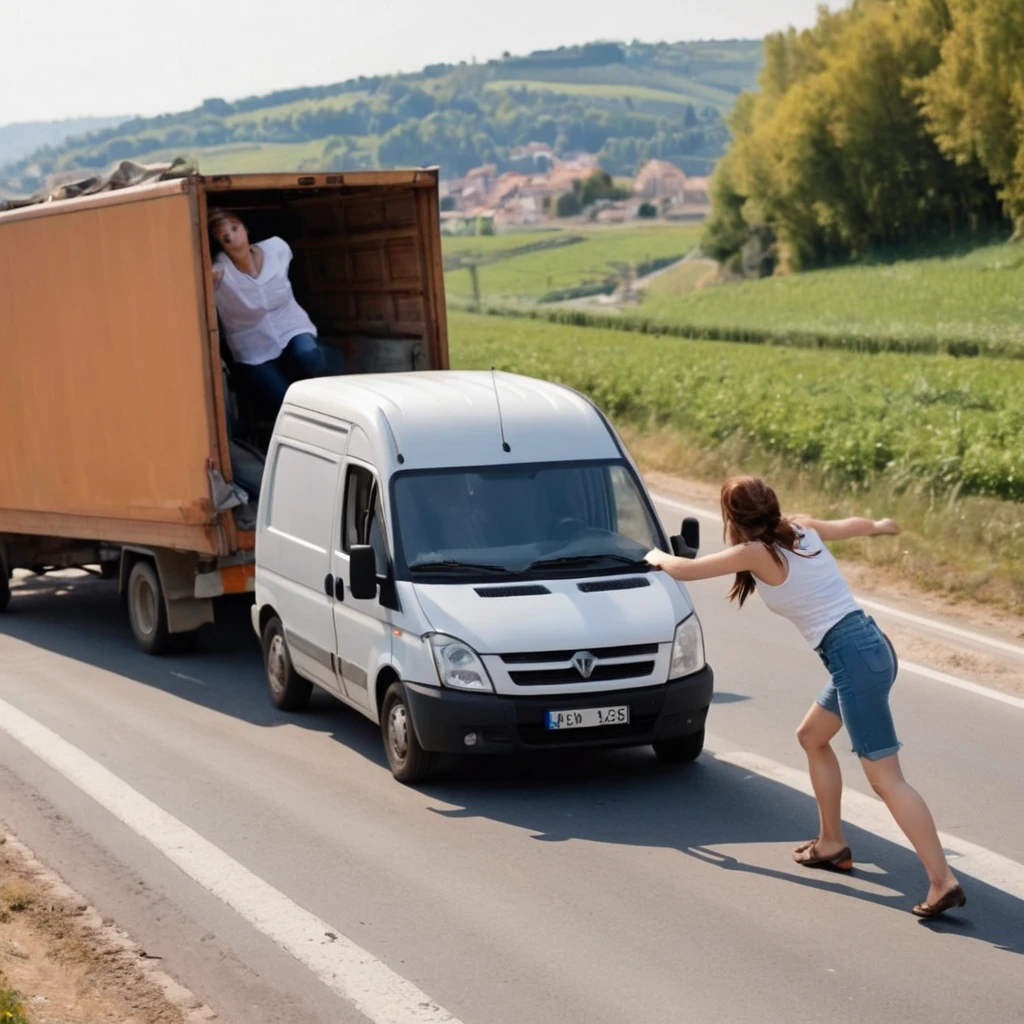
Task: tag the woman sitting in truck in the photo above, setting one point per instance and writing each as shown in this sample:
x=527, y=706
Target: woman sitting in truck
x=271, y=337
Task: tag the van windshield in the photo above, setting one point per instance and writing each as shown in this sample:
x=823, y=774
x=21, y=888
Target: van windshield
x=550, y=519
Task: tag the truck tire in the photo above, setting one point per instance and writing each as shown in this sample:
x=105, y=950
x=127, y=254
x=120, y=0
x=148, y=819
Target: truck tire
x=409, y=762
x=288, y=690
x=147, y=613
x=681, y=750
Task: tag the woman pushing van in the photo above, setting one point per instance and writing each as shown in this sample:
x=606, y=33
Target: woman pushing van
x=785, y=559
x=270, y=335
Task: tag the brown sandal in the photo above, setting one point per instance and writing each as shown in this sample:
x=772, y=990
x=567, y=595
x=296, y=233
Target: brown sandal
x=841, y=861
x=956, y=897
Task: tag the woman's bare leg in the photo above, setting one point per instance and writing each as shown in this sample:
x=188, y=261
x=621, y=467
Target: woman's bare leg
x=815, y=734
x=912, y=815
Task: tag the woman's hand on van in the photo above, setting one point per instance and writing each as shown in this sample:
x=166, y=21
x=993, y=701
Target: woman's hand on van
x=657, y=558
x=218, y=276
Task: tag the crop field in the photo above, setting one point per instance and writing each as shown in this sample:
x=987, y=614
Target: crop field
x=637, y=93
x=972, y=303
x=528, y=278
x=950, y=425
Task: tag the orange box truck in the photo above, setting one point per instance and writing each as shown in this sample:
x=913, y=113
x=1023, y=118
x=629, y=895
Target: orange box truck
x=114, y=443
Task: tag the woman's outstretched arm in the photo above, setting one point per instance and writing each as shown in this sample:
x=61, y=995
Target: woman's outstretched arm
x=741, y=558
x=844, y=529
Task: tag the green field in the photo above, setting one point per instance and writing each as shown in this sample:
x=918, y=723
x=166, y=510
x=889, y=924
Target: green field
x=975, y=298
x=525, y=279
x=275, y=113
x=637, y=93
x=943, y=423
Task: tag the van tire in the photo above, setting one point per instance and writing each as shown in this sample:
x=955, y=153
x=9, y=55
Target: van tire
x=147, y=613
x=288, y=690
x=409, y=762
x=681, y=750
x=5, y=587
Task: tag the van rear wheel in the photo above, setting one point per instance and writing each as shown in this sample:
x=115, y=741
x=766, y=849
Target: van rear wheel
x=681, y=750
x=409, y=762
x=288, y=690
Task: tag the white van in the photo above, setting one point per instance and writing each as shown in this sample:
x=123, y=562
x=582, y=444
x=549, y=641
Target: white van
x=459, y=556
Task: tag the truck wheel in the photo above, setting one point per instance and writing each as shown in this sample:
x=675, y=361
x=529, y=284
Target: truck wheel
x=681, y=750
x=147, y=613
x=288, y=690
x=409, y=762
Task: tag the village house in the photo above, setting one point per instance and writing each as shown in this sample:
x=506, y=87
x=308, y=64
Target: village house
x=660, y=181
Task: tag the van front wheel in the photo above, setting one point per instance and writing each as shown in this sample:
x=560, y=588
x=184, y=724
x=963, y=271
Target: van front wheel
x=288, y=690
x=409, y=762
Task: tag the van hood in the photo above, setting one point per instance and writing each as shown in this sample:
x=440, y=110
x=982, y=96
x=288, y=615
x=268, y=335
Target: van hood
x=508, y=621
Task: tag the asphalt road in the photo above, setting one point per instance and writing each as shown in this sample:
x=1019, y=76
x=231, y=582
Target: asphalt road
x=597, y=888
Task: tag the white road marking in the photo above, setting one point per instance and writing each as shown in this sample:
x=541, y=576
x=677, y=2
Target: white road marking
x=871, y=815
x=963, y=684
x=353, y=973
x=886, y=609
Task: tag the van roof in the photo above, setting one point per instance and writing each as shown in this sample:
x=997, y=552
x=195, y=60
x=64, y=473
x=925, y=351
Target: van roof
x=447, y=418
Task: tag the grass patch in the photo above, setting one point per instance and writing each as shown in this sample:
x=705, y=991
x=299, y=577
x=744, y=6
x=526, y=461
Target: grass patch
x=12, y=1010
x=937, y=440
x=973, y=301
x=16, y=896
x=525, y=279
x=684, y=278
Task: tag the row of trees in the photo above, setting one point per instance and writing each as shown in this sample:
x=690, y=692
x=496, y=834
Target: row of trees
x=891, y=121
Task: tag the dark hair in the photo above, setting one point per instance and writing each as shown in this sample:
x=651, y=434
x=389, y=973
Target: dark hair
x=750, y=512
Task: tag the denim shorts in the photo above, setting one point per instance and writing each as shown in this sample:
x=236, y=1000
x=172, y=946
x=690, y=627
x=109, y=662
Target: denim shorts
x=863, y=665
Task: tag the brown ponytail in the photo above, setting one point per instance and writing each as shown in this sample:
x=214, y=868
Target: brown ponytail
x=751, y=514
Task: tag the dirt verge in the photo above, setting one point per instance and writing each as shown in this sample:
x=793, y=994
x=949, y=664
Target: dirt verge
x=69, y=966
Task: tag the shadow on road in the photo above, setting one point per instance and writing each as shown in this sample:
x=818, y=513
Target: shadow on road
x=616, y=797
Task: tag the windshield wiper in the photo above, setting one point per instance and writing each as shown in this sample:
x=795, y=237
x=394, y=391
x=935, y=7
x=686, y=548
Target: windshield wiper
x=450, y=563
x=569, y=561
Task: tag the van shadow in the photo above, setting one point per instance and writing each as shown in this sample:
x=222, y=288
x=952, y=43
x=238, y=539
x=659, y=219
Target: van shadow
x=616, y=797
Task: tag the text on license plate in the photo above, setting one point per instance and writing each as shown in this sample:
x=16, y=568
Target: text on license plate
x=587, y=718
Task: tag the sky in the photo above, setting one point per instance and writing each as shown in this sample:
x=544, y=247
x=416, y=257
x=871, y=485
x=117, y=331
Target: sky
x=65, y=58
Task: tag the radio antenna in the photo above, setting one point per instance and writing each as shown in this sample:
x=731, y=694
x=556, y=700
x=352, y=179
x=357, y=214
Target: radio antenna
x=505, y=447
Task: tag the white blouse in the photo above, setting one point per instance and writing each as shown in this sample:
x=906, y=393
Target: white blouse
x=260, y=313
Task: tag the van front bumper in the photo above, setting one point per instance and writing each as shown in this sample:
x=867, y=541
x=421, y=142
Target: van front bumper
x=500, y=722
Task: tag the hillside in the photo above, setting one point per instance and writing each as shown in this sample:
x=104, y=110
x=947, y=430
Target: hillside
x=627, y=103
x=21, y=140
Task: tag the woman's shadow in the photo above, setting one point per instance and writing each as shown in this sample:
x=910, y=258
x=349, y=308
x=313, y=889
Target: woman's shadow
x=626, y=797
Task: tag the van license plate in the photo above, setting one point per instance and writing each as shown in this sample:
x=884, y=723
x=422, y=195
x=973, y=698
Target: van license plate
x=588, y=718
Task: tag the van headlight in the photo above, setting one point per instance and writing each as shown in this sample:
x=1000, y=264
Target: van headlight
x=687, y=648
x=458, y=665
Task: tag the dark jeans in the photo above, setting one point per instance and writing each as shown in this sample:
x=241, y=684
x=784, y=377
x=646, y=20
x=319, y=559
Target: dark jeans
x=268, y=382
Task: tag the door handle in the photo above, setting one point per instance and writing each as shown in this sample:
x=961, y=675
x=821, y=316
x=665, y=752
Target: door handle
x=339, y=588
x=329, y=585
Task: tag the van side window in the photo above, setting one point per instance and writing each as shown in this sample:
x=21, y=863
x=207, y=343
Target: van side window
x=298, y=472
x=363, y=523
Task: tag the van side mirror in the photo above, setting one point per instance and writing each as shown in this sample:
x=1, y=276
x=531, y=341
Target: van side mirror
x=362, y=573
x=688, y=544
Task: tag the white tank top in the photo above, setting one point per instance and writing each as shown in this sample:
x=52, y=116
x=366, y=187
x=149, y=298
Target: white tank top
x=814, y=596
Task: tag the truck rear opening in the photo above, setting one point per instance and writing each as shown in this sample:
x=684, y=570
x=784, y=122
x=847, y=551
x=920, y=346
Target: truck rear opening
x=115, y=443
